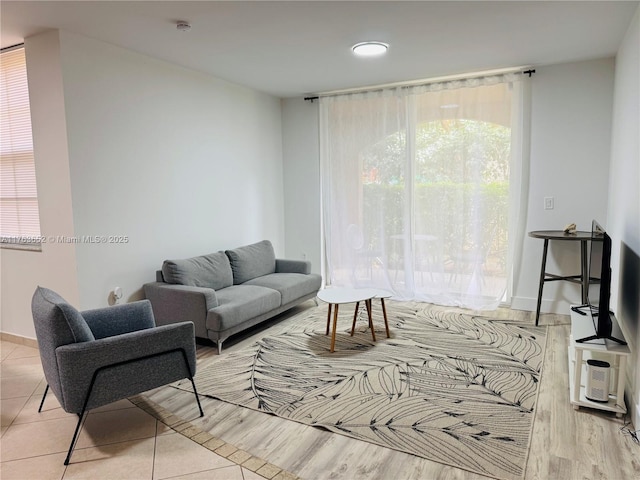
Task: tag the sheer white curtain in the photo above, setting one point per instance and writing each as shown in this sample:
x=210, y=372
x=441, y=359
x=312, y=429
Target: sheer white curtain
x=423, y=189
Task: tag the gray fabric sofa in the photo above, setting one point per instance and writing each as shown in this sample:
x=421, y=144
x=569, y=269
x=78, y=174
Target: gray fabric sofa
x=224, y=293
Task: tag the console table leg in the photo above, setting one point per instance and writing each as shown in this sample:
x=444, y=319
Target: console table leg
x=542, y=277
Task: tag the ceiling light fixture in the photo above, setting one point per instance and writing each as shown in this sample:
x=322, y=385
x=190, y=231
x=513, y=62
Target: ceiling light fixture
x=369, y=49
x=183, y=26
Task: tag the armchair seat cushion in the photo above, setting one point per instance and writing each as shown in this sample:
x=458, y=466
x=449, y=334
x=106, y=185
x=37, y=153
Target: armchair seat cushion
x=119, y=319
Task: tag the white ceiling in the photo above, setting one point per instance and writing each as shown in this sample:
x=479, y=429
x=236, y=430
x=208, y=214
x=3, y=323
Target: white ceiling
x=295, y=48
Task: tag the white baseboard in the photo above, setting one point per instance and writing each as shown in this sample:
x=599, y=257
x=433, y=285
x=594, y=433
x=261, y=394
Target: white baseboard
x=547, y=306
x=19, y=339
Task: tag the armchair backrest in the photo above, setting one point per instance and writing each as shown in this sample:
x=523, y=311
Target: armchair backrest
x=56, y=323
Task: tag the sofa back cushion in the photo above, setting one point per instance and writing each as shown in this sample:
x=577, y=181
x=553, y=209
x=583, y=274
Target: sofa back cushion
x=252, y=261
x=209, y=271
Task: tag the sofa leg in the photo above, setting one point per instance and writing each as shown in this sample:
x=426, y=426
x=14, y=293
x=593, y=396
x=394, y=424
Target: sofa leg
x=219, y=344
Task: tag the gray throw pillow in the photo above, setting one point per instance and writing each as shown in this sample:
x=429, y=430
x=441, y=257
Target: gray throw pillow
x=209, y=271
x=252, y=261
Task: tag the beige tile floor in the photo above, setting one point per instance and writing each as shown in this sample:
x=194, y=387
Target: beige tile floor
x=119, y=441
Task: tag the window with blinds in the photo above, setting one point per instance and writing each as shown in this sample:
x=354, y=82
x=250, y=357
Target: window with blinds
x=19, y=216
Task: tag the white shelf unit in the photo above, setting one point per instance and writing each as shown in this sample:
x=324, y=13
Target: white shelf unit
x=582, y=326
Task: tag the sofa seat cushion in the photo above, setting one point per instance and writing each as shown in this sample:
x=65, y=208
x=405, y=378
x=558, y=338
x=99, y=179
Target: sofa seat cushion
x=252, y=261
x=209, y=271
x=291, y=286
x=237, y=304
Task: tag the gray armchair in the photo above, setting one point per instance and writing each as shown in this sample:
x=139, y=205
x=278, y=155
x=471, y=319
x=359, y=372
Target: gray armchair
x=100, y=356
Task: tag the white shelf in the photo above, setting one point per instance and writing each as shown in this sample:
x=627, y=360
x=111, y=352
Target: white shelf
x=582, y=326
x=612, y=405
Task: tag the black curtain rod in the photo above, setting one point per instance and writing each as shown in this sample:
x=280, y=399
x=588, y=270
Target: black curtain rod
x=526, y=72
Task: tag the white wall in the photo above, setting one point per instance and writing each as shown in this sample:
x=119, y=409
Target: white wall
x=55, y=265
x=301, y=180
x=624, y=203
x=179, y=162
x=570, y=150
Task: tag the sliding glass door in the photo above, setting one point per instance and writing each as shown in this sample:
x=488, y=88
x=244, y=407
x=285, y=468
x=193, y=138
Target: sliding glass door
x=418, y=189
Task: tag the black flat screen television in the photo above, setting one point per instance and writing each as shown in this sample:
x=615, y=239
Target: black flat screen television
x=599, y=291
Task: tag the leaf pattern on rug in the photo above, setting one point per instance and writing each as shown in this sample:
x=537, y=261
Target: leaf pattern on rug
x=453, y=388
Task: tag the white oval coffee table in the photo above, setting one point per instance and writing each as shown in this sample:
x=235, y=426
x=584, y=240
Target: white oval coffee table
x=336, y=296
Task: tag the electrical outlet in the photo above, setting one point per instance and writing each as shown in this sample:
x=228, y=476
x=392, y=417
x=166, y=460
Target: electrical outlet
x=548, y=203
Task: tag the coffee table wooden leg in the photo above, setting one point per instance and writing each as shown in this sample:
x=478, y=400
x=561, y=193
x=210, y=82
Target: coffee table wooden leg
x=335, y=325
x=355, y=315
x=328, y=319
x=373, y=332
x=384, y=314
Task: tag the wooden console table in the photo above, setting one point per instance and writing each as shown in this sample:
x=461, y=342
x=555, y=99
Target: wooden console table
x=582, y=279
x=601, y=349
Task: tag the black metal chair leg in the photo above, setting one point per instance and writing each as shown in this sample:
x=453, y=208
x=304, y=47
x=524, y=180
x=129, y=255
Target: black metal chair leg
x=75, y=437
x=104, y=367
x=197, y=398
x=43, y=397
x=193, y=384
x=81, y=414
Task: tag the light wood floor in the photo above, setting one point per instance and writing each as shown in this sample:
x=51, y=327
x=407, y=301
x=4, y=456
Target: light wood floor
x=566, y=444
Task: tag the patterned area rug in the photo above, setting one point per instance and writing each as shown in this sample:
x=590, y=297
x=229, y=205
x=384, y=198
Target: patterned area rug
x=452, y=388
